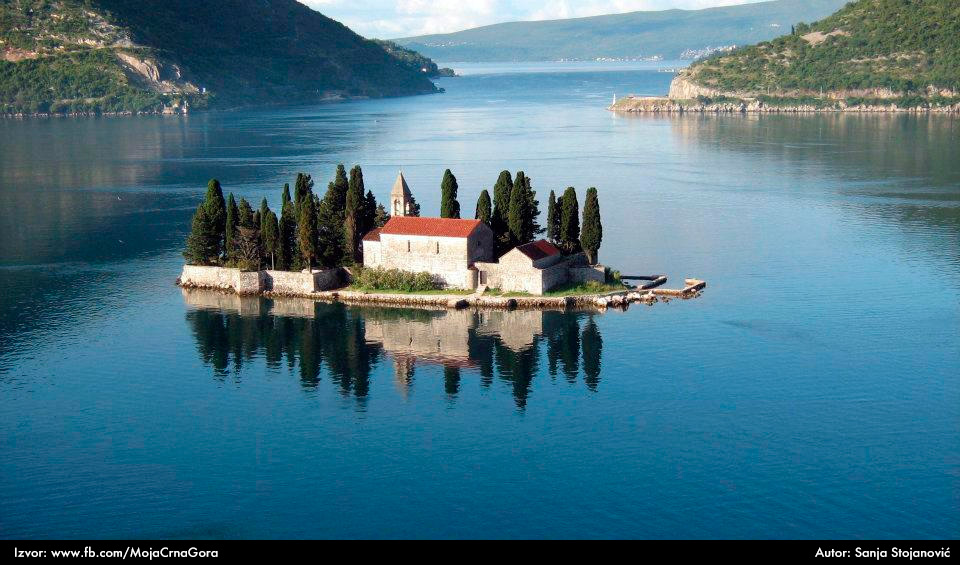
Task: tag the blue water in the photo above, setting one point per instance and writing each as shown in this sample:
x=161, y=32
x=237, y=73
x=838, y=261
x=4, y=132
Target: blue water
x=812, y=391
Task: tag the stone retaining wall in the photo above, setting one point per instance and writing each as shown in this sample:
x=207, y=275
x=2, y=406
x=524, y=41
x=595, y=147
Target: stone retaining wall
x=257, y=282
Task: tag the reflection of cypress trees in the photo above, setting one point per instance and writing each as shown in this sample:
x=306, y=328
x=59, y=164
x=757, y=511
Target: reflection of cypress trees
x=563, y=343
x=518, y=368
x=592, y=344
x=481, y=352
x=333, y=336
x=451, y=380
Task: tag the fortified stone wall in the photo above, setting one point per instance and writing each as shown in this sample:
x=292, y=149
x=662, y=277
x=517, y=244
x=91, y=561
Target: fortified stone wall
x=256, y=282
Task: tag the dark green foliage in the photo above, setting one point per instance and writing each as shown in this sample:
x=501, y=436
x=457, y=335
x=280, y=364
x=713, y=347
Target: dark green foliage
x=381, y=217
x=592, y=233
x=337, y=189
x=216, y=211
x=330, y=220
x=369, y=213
x=302, y=190
x=449, y=207
x=270, y=237
x=248, y=249
x=553, y=219
x=245, y=215
x=230, y=231
x=202, y=246
x=569, y=241
x=285, y=197
x=414, y=61
x=501, y=211
x=287, y=252
x=307, y=232
x=394, y=279
x=414, y=207
x=353, y=222
x=262, y=213
x=524, y=211
x=901, y=45
x=484, y=208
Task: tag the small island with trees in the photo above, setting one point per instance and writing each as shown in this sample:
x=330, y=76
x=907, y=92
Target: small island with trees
x=346, y=246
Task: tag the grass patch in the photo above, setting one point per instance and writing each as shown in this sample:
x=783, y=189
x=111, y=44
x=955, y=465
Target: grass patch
x=431, y=292
x=589, y=287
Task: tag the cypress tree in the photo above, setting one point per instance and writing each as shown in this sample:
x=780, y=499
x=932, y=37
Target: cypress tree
x=245, y=214
x=449, y=207
x=216, y=209
x=301, y=190
x=270, y=234
x=230, y=232
x=517, y=211
x=381, y=217
x=307, y=232
x=484, y=208
x=264, y=208
x=569, y=221
x=353, y=216
x=592, y=234
x=553, y=224
x=285, y=198
x=501, y=210
x=337, y=189
x=287, y=253
x=369, y=213
x=202, y=243
x=330, y=222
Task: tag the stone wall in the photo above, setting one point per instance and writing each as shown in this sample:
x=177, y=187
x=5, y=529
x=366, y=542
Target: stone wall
x=586, y=274
x=244, y=282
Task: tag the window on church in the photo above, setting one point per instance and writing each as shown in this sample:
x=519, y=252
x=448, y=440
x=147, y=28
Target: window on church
x=438, y=247
x=408, y=246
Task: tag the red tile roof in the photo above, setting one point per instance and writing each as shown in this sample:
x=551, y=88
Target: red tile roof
x=539, y=249
x=372, y=235
x=435, y=227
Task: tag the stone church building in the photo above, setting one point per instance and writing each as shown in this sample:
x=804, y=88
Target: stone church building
x=460, y=252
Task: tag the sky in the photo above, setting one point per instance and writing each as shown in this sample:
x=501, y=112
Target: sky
x=386, y=19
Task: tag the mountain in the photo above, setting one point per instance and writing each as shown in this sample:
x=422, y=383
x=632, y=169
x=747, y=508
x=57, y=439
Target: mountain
x=147, y=55
x=668, y=33
x=907, y=51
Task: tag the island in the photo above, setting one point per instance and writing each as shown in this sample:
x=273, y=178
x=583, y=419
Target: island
x=347, y=247
x=870, y=56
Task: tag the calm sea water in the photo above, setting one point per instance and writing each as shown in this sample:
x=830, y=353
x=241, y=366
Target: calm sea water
x=812, y=391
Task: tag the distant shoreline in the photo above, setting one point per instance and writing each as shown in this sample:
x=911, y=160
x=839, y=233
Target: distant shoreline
x=667, y=105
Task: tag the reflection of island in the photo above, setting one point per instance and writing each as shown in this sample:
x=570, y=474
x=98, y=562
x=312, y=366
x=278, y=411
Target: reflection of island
x=318, y=339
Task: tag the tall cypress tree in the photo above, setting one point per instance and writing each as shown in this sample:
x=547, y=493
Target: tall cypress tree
x=553, y=225
x=569, y=221
x=285, y=198
x=270, y=235
x=202, y=243
x=484, y=208
x=516, y=216
x=337, y=189
x=353, y=216
x=301, y=189
x=245, y=214
x=307, y=232
x=369, y=213
x=501, y=210
x=449, y=207
x=592, y=234
x=216, y=211
x=287, y=252
x=330, y=221
x=230, y=231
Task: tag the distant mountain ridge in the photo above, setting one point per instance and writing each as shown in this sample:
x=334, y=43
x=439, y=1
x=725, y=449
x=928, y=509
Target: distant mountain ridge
x=150, y=55
x=667, y=33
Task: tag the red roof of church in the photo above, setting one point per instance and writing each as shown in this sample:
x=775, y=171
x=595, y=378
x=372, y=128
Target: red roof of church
x=435, y=227
x=372, y=235
x=539, y=249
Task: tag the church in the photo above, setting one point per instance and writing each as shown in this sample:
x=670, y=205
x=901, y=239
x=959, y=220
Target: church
x=459, y=253
x=444, y=247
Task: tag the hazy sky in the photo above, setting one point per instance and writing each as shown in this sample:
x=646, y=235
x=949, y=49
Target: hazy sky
x=399, y=18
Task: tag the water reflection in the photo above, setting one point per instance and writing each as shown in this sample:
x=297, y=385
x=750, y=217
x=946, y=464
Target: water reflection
x=314, y=340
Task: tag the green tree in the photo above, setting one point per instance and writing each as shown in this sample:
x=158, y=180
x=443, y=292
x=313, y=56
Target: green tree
x=216, y=209
x=592, y=233
x=353, y=217
x=285, y=197
x=449, y=207
x=501, y=211
x=338, y=188
x=484, y=208
x=287, y=252
x=270, y=234
x=381, y=217
x=230, y=232
x=330, y=222
x=569, y=221
x=524, y=210
x=302, y=189
x=245, y=214
x=307, y=232
x=202, y=243
x=553, y=223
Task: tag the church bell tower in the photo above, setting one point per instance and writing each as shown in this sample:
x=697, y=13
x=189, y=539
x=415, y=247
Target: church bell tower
x=400, y=197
